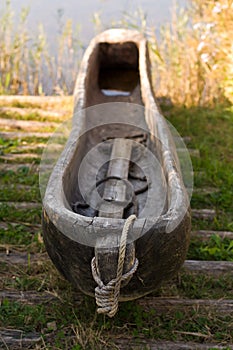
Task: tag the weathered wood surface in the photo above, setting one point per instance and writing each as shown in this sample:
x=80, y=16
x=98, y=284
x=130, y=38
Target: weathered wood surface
x=212, y=268
x=159, y=304
x=25, y=124
x=205, y=190
x=185, y=139
x=13, y=257
x=22, y=205
x=193, y=152
x=139, y=344
x=34, y=147
x=205, y=214
x=114, y=193
x=37, y=100
x=11, y=135
x=115, y=190
x=36, y=112
x=28, y=297
x=19, y=156
x=17, y=339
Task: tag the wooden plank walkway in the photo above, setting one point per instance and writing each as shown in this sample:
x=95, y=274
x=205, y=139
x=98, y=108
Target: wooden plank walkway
x=20, y=339
x=10, y=255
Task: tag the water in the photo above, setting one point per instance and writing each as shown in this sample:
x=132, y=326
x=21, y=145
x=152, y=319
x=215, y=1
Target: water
x=82, y=13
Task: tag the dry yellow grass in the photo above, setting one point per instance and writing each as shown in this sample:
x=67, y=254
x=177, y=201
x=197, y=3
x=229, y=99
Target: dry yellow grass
x=193, y=61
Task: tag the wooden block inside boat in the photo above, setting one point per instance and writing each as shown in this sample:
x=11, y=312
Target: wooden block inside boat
x=116, y=215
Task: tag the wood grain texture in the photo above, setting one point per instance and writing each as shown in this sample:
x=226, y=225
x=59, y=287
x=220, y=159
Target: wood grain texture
x=139, y=344
x=212, y=268
x=11, y=135
x=17, y=339
x=29, y=125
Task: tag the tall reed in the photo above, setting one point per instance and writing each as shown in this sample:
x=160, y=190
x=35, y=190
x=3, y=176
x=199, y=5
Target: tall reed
x=26, y=63
x=193, y=60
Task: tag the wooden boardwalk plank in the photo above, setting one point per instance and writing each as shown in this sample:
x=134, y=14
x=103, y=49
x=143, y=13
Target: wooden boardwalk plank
x=43, y=101
x=17, y=339
x=193, y=152
x=28, y=297
x=34, y=112
x=11, y=135
x=22, y=205
x=29, y=125
x=159, y=304
x=205, y=190
x=21, y=258
x=212, y=268
x=139, y=344
x=20, y=156
x=205, y=214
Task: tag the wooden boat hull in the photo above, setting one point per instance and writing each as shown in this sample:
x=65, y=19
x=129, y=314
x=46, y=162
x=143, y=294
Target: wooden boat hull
x=160, y=235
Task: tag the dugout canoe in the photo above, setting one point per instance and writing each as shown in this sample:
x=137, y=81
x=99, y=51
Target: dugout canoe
x=119, y=160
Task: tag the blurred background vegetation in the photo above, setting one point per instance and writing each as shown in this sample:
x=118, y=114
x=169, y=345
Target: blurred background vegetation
x=192, y=57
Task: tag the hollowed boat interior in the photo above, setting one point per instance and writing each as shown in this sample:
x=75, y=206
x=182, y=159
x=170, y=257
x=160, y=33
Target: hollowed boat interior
x=113, y=76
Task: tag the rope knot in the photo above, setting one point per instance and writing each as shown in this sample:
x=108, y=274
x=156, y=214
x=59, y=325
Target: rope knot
x=107, y=296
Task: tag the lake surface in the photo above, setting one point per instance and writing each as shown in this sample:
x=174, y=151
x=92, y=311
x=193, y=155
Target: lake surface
x=82, y=13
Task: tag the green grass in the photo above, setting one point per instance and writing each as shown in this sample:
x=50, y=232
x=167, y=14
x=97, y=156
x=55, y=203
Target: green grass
x=211, y=132
x=10, y=214
x=23, y=176
x=214, y=249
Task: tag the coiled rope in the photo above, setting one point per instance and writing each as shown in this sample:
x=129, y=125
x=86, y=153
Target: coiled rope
x=107, y=296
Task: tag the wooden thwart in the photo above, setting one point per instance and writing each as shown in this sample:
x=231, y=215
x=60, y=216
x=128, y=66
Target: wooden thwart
x=106, y=253
x=115, y=190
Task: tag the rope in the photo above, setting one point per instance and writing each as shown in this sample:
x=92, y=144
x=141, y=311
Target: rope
x=107, y=295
